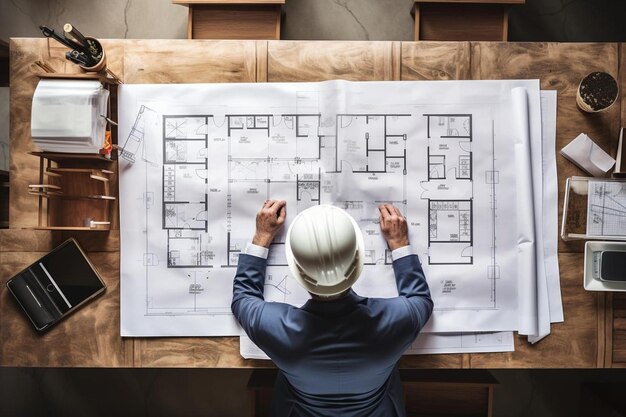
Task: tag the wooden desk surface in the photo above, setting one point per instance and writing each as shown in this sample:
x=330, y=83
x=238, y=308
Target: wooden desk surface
x=594, y=333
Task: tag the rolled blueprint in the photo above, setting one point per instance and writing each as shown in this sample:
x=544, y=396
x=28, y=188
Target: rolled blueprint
x=526, y=261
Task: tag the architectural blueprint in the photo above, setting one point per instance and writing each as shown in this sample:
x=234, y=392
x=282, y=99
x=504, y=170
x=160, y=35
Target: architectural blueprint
x=198, y=161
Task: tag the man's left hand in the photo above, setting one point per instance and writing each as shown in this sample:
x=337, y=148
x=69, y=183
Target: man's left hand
x=269, y=221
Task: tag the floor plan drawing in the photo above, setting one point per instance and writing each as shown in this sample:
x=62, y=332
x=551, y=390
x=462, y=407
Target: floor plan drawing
x=195, y=173
x=450, y=217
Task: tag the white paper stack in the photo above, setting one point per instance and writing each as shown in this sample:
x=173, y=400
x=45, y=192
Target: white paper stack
x=66, y=116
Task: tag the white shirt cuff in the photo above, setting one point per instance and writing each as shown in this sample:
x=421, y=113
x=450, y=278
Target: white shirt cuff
x=258, y=251
x=401, y=252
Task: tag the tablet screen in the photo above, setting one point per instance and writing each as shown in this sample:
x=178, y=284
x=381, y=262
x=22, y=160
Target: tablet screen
x=67, y=276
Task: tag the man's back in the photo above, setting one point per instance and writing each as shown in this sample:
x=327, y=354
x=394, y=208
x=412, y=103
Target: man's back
x=342, y=352
x=336, y=354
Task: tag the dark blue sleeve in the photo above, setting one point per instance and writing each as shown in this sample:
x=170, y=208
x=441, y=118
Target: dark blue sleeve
x=412, y=286
x=248, y=302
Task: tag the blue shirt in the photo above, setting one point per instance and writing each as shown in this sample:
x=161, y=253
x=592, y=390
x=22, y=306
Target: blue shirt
x=336, y=358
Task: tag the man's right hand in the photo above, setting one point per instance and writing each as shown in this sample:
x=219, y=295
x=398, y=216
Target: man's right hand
x=269, y=220
x=393, y=225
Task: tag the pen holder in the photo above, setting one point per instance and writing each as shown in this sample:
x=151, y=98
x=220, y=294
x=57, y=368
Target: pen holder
x=96, y=50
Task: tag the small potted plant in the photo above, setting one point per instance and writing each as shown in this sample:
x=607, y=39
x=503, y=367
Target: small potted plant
x=597, y=92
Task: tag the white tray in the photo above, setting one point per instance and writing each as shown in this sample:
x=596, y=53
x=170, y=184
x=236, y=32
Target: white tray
x=589, y=282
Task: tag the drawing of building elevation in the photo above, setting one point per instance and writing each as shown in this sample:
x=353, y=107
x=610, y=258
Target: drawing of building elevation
x=185, y=177
x=449, y=146
x=450, y=232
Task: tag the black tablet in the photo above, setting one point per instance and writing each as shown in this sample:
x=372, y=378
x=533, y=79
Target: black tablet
x=56, y=285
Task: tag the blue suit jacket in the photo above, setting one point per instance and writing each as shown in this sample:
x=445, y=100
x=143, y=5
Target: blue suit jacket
x=336, y=358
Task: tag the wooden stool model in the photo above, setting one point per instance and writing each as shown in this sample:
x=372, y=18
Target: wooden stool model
x=73, y=198
x=233, y=19
x=462, y=20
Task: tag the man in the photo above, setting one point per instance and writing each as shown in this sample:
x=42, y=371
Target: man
x=336, y=354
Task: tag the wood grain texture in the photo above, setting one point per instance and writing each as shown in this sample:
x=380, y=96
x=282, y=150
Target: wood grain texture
x=232, y=21
x=559, y=66
x=24, y=168
x=89, y=337
x=622, y=82
x=608, y=331
x=261, y=61
x=619, y=330
x=16, y=240
x=186, y=352
x=435, y=61
x=572, y=344
x=320, y=60
x=181, y=61
x=431, y=361
x=461, y=22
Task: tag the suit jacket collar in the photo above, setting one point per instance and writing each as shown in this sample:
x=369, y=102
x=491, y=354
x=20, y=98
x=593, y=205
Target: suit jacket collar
x=339, y=306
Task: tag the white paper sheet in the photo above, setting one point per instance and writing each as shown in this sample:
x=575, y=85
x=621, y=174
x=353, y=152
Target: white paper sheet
x=588, y=156
x=549, y=305
x=425, y=344
x=441, y=151
x=526, y=208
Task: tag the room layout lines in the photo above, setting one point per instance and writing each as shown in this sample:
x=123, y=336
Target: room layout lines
x=146, y=117
x=368, y=143
x=210, y=165
x=450, y=232
x=185, y=191
x=199, y=160
x=271, y=157
x=450, y=196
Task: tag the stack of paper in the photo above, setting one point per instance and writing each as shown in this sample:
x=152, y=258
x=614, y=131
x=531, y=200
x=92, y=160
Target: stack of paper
x=67, y=116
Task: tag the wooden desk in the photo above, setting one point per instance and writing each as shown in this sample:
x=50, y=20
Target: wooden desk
x=91, y=337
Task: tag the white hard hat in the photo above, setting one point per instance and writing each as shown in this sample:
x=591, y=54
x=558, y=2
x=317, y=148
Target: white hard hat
x=325, y=250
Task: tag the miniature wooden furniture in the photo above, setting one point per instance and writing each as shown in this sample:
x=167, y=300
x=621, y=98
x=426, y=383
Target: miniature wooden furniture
x=462, y=20
x=233, y=19
x=73, y=198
